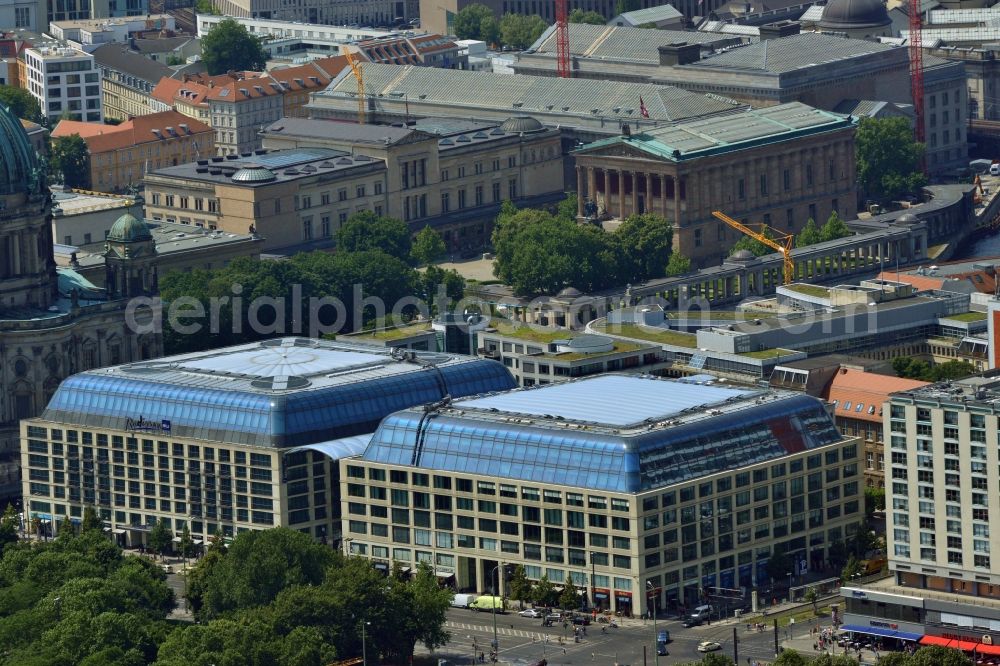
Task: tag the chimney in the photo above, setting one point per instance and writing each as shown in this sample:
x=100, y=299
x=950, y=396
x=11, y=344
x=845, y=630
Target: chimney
x=779, y=29
x=679, y=53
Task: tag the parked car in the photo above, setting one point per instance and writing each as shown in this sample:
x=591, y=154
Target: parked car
x=692, y=621
x=463, y=600
x=531, y=612
x=709, y=646
x=583, y=620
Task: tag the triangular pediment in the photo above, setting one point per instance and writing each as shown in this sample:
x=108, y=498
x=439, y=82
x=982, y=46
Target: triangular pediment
x=621, y=150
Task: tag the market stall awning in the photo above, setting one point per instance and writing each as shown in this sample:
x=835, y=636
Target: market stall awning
x=879, y=631
x=959, y=644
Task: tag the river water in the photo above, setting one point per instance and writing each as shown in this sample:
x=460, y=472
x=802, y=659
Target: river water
x=982, y=247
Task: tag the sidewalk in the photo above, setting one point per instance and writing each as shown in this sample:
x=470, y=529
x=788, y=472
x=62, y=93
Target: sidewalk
x=802, y=642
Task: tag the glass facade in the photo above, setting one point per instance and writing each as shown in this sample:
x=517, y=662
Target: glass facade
x=264, y=418
x=601, y=458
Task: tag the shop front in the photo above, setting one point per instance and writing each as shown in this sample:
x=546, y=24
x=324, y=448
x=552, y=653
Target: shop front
x=602, y=598
x=623, y=603
x=977, y=646
x=891, y=635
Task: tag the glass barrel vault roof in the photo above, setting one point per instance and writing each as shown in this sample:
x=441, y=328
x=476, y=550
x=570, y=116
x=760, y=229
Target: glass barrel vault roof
x=276, y=393
x=622, y=455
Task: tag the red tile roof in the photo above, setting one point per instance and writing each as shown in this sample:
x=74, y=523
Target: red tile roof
x=850, y=389
x=141, y=129
x=188, y=91
x=918, y=282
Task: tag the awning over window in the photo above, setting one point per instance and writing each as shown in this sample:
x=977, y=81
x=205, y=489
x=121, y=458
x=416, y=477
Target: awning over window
x=879, y=631
x=958, y=644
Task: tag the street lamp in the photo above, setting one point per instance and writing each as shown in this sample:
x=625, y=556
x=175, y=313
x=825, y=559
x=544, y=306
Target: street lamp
x=656, y=651
x=364, y=647
x=495, y=576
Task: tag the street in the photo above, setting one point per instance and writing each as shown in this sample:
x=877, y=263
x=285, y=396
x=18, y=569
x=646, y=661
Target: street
x=525, y=641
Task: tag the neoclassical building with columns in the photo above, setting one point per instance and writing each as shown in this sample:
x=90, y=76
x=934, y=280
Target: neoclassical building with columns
x=781, y=165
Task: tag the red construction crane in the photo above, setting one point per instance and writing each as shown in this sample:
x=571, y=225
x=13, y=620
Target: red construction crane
x=917, y=67
x=562, y=39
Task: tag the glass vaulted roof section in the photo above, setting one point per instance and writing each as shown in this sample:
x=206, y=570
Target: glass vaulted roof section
x=615, y=400
x=319, y=392
x=623, y=460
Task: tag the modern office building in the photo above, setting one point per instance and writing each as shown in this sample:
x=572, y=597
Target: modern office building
x=614, y=481
x=64, y=80
x=231, y=439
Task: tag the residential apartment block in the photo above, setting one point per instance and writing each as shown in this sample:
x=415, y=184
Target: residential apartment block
x=64, y=80
x=122, y=155
x=678, y=487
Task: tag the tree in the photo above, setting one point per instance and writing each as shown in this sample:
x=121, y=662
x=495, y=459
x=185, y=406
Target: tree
x=809, y=235
x=911, y=368
x=935, y=655
x=888, y=158
x=757, y=248
x=643, y=245
x=874, y=500
x=567, y=208
x=174, y=60
x=187, y=543
x=851, y=569
x=519, y=31
x=489, y=30
x=425, y=602
x=8, y=527
x=811, y=597
x=838, y=554
x=789, y=658
x=368, y=231
x=569, y=598
x=544, y=592
x=205, y=7
x=469, y=21
x=834, y=228
x=622, y=6
x=580, y=16
x=678, y=265
x=836, y=660
x=21, y=103
x=519, y=585
x=70, y=158
x=229, y=47
x=91, y=521
x=160, y=537
x=428, y=246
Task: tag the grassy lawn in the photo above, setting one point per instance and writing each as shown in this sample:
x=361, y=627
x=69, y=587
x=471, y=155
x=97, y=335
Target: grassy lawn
x=390, y=333
x=967, y=316
x=767, y=353
x=619, y=347
x=677, y=338
x=526, y=332
x=810, y=290
x=785, y=619
x=718, y=315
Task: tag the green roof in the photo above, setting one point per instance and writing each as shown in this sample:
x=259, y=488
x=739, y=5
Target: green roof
x=809, y=290
x=967, y=316
x=526, y=332
x=662, y=336
x=392, y=333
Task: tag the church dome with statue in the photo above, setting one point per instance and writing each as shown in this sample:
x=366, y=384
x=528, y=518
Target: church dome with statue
x=129, y=229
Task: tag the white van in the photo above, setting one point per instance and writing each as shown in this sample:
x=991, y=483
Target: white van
x=995, y=169
x=702, y=612
x=463, y=600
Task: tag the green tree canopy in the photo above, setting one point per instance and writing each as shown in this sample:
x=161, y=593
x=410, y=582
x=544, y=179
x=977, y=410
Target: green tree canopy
x=810, y=234
x=21, y=103
x=911, y=368
x=368, y=231
x=851, y=569
x=622, y=6
x=160, y=538
x=489, y=30
x=790, y=658
x=228, y=46
x=469, y=21
x=544, y=592
x=8, y=527
x=519, y=31
x=580, y=16
x=70, y=159
x=874, y=500
x=428, y=246
x=258, y=566
x=835, y=228
x=678, y=265
x=519, y=585
x=643, y=244
x=888, y=157
x=569, y=598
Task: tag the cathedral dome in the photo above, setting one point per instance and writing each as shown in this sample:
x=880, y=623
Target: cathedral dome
x=854, y=15
x=18, y=164
x=128, y=229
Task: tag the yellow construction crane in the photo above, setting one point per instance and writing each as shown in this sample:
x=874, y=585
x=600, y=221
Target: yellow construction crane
x=356, y=68
x=781, y=242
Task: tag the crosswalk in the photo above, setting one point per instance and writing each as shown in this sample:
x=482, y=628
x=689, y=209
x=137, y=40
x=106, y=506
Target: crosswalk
x=501, y=631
